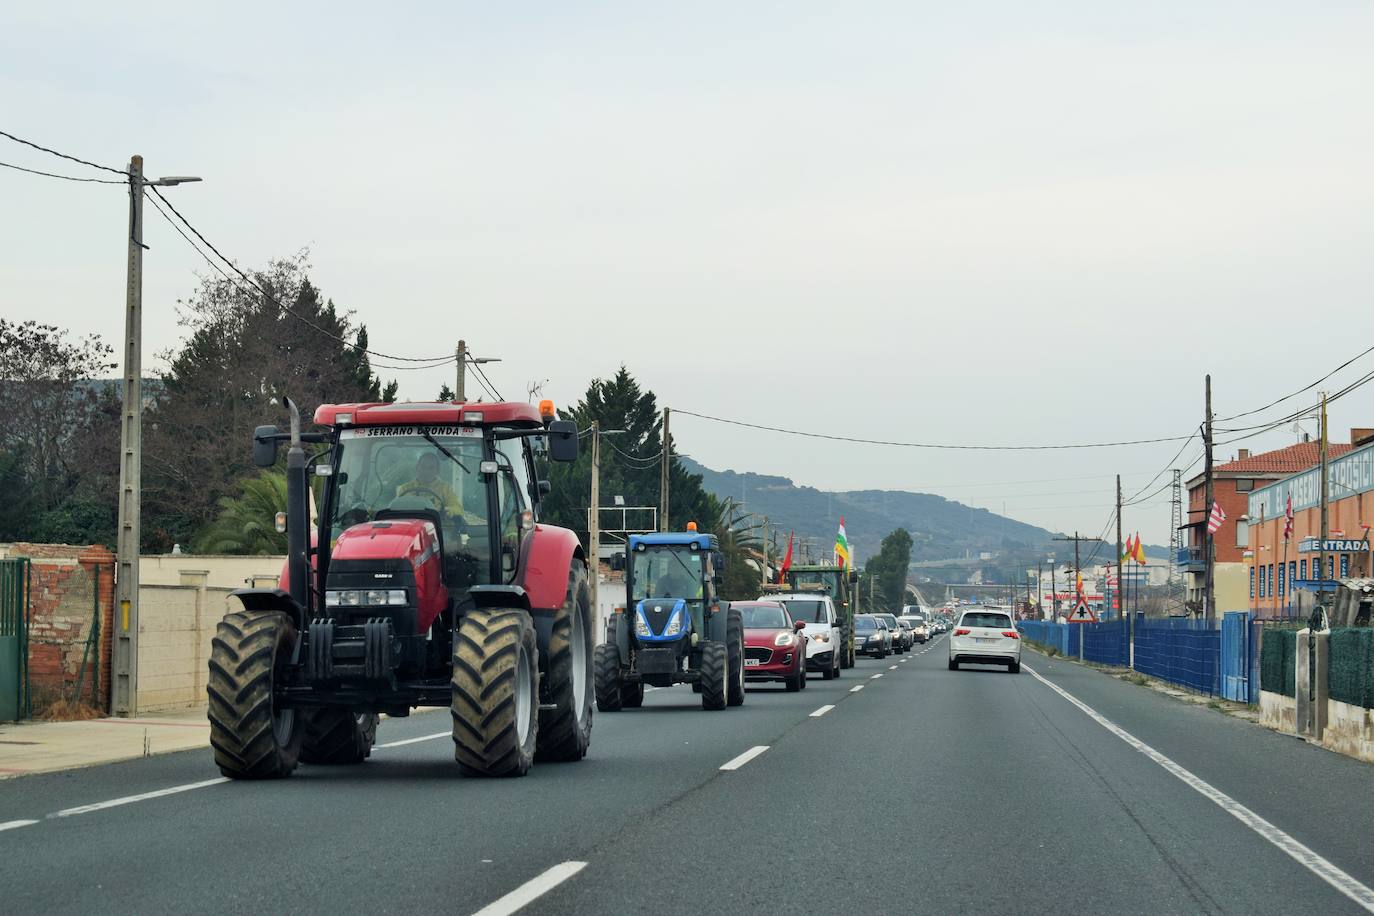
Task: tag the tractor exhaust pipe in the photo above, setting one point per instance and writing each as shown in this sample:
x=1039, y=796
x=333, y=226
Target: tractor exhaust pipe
x=298, y=516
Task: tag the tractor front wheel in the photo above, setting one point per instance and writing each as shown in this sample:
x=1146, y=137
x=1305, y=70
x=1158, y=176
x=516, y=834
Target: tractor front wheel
x=632, y=695
x=252, y=737
x=609, y=687
x=336, y=735
x=734, y=643
x=565, y=731
x=715, y=675
x=495, y=692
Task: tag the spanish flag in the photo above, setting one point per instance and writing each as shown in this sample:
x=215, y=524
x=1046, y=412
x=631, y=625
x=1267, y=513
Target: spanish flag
x=1139, y=553
x=1127, y=552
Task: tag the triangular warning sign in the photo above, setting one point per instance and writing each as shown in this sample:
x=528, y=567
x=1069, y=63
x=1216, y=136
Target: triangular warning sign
x=1081, y=613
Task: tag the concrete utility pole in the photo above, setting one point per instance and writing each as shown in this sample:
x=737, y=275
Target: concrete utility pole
x=1054, y=600
x=1326, y=509
x=1077, y=567
x=593, y=516
x=664, y=465
x=128, y=538
x=1208, y=581
x=1121, y=582
x=462, y=360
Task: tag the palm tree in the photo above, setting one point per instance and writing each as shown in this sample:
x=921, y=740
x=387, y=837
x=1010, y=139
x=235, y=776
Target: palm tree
x=742, y=545
x=247, y=523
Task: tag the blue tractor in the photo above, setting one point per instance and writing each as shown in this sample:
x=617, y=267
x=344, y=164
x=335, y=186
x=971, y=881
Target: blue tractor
x=674, y=629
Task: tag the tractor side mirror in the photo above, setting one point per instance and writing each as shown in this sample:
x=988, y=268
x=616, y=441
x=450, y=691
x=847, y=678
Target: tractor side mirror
x=853, y=576
x=545, y=488
x=265, y=446
x=563, y=440
x=718, y=561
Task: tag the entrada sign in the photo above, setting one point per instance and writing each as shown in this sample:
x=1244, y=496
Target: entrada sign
x=1333, y=545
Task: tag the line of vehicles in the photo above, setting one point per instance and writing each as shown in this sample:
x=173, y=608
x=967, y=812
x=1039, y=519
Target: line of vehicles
x=418, y=574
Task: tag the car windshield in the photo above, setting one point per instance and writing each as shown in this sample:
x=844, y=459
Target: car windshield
x=865, y=623
x=764, y=617
x=916, y=621
x=810, y=610
x=384, y=472
x=667, y=572
x=995, y=621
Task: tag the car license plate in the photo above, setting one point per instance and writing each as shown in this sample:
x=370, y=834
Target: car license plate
x=984, y=641
x=751, y=662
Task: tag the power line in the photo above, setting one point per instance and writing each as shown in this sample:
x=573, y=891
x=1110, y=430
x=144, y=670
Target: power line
x=928, y=445
x=651, y=459
x=20, y=168
x=429, y=362
x=1167, y=466
x=477, y=367
x=1301, y=390
x=94, y=165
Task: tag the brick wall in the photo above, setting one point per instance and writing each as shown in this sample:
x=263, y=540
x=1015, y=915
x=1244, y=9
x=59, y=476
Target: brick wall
x=68, y=586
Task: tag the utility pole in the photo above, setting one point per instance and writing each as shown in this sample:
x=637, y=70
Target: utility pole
x=463, y=360
x=1121, y=583
x=1208, y=582
x=593, y=518
x=129, y=536
x=1039, y=590
x=1326, y=511
x=664, y=467
x=1077, y=568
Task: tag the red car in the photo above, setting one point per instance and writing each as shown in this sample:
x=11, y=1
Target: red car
x=774, y=644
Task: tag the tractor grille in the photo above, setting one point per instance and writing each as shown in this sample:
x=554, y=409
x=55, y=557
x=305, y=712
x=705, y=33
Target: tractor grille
x=759, y=654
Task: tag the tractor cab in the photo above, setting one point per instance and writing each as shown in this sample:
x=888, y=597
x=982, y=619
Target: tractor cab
x=670, y=582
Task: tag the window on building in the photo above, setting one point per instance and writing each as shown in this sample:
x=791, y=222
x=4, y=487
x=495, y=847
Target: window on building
x=1261, y=581
x=1292, y=570
x=1302, y=570
x=1252, y=581
x=1242, y=533
x=1245, y=484
x=1345, y=565
x=1283, y=583
x=1271, y=578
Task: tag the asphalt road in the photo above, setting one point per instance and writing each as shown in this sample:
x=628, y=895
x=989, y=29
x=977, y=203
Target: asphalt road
x=925, y=791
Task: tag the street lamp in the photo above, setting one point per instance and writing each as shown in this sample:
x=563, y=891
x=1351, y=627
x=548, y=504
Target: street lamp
x=124, y=684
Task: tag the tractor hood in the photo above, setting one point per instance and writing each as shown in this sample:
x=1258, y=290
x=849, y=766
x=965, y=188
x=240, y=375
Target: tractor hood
x=393, y=553
x=662, y=619
x=394, y=539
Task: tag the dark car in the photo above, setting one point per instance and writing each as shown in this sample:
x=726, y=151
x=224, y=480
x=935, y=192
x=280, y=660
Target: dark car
x=871, y=636
x=774, y=644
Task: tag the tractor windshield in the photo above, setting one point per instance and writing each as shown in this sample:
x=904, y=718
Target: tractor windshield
x=391, y=471
x=667, y=572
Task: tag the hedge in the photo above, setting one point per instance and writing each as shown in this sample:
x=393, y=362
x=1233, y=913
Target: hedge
x=1350, y=675
x=1278, y=655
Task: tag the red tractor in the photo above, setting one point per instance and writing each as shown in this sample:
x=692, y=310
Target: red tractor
x=428, y=581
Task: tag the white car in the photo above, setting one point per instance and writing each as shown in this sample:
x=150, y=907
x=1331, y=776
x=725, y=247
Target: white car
x=824, y=638
x=985, y=636
x=920, y=629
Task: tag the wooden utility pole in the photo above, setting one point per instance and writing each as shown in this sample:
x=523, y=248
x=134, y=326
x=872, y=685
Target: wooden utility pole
x=461, y=356
x=1054, y=589
x=593, y=516
x=1120, y=602
x=1209, y=567
x=664, y=466
x=1077, y=568
x=1326, y=511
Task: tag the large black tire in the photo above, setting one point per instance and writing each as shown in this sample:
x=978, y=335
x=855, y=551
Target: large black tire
x=610, y=689
x=715, y=675
x=565, y=731
x=632, y=695
x=734, y=644
x=336, y=735
x=251, y=738
x=495, y=692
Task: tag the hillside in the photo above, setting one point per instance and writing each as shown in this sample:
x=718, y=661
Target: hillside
x=940, y=528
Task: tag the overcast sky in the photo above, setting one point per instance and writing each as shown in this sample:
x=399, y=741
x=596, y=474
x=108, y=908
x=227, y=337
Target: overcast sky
x=972, y=223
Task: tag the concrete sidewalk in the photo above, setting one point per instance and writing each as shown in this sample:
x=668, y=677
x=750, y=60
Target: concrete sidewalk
x=41, y=747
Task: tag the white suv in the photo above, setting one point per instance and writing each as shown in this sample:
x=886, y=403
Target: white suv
x=823, y=634
x=985, y=636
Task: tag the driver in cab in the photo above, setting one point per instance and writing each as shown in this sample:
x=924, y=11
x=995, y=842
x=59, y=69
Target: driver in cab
x=675, y=583
x=428, y=486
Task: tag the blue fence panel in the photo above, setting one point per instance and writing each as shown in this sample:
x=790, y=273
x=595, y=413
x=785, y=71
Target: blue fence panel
x=1106, y=643
x=1235, y=656
x=1179, y=652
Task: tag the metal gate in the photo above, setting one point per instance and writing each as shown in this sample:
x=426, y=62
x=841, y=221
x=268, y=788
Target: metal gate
x=1235, y=656
x=14, y=639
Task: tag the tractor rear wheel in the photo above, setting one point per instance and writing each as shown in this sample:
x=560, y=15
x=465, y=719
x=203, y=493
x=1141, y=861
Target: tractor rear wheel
x=632, y=695
x=715, y=675
x=609, y=687
x=734, y=646
x=495, y=692
x=565, y=731
x=336, y=735
x=252, y=738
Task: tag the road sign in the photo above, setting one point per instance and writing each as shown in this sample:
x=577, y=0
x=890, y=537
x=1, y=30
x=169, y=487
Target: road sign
x=1081, y=613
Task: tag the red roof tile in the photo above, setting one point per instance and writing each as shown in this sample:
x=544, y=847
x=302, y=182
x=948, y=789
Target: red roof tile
x=1288, y=460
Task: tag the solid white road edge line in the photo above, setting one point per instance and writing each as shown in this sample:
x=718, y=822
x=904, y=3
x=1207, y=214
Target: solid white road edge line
x=130, y=799
x=531, y=890
x=823, y=710
x=856, y=688
x=744, y=758
x=447, y=734
x=10, y=825
x=1304, y=856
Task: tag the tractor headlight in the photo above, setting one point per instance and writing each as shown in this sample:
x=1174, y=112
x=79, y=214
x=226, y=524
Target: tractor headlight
x=784, y=639
x=642, y=626
x=674, y=626
x=821, y=637
x=372, y=597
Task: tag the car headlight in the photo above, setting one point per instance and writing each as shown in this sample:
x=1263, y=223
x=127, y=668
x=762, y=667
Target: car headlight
x=642, y=626
x=674, y=626
x=784, y=639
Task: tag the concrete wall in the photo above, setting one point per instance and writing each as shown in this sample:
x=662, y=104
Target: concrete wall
x=221, y=571
x=176, y=625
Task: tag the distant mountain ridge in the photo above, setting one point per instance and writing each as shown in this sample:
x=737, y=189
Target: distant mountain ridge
x=940, y=528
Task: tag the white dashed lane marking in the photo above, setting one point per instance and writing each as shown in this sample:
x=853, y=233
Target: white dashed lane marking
x=823, y=710
x=744, y=758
